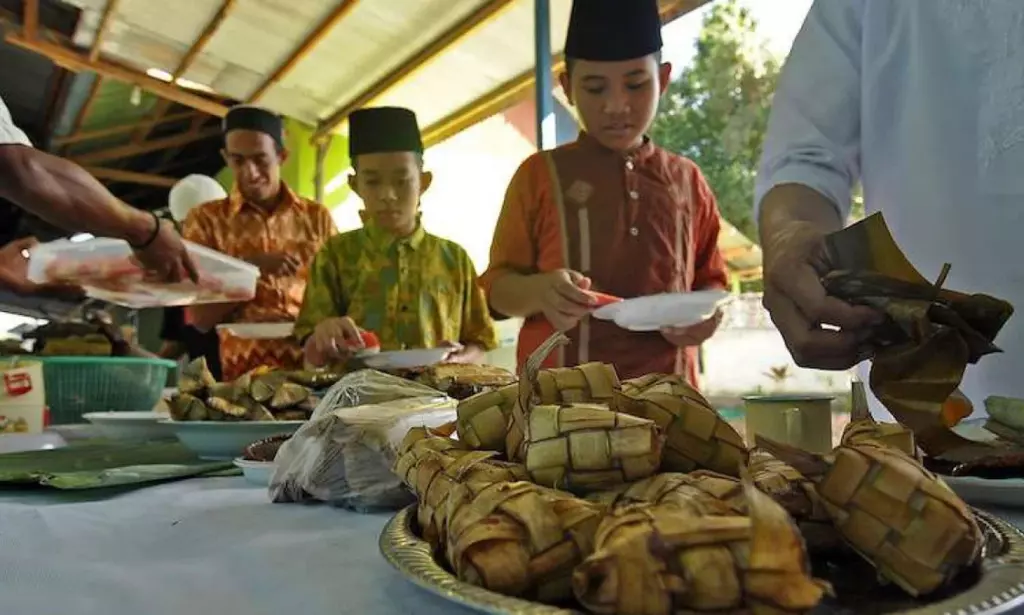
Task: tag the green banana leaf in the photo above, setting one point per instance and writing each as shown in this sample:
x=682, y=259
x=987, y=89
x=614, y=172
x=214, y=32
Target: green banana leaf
x=107, y=464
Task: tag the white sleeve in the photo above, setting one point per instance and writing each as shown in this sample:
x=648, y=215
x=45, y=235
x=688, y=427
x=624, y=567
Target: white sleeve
x=9, y=133
x=813, y=135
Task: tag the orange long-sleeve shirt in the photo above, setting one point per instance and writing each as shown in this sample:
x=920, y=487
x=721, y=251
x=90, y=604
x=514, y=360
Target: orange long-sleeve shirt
x=636, y=224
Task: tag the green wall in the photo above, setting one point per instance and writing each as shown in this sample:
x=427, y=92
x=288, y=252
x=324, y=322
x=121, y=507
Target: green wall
x=299, y=172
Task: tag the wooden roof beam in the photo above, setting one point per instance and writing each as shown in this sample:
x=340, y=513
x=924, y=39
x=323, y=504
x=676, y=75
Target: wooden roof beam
x=101, y=30
x=30, y=19
x=134, y=149
x=448, y=39
x=74, y=61
x=326, y=25
x=520, y=87
x=186, y=62
x=101, y=133
x=131, y=177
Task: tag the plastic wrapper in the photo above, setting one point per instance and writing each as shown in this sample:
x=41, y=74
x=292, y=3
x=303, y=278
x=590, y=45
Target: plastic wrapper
x=344, y=454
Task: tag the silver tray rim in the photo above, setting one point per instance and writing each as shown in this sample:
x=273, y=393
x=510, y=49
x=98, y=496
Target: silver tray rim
x=1000, y=590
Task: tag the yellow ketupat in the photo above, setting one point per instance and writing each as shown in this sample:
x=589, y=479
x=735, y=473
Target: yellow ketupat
x=578, y=447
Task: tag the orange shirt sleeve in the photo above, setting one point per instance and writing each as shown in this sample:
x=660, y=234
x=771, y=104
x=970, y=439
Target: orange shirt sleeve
x=514, y=245
x=710, y=271
x=197, y=228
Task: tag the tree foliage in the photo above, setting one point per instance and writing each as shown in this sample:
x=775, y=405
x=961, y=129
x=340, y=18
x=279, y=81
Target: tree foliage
x=716, y=111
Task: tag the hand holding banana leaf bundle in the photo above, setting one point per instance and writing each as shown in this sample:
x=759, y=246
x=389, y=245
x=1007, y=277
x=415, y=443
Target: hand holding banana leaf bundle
x=929, y=337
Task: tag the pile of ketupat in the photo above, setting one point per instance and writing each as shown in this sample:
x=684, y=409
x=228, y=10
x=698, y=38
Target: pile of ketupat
x=637, y=498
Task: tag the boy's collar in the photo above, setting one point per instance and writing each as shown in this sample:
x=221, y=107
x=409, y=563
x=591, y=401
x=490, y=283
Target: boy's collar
x=385, y=237
x=645, y=151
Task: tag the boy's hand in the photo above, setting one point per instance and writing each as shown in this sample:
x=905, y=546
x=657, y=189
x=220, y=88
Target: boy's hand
x=468, y=353
x=693, y=335
x=333, y=340
x=563, y=298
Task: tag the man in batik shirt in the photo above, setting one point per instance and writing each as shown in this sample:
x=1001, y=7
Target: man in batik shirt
x=391, y=277
x=265, y=223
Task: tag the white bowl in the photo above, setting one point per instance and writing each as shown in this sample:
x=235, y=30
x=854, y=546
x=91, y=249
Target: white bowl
x=22, y=442
x=130, y=425
x=221, y=441
x=256, y=472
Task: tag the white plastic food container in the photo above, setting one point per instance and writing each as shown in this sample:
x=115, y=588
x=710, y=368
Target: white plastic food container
x=105, y=269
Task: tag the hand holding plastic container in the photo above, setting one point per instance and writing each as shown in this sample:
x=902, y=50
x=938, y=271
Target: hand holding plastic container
x=107, y=270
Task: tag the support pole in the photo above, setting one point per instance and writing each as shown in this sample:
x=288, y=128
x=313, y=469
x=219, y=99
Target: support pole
x=545, y=101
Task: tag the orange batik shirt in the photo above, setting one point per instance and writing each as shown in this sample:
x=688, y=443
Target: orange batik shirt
x=636, y=224
x=297, y=226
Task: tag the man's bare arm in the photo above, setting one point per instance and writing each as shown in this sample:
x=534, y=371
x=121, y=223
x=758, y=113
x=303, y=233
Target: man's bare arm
x=787, y=204
x=207, y=317
x=66, y=195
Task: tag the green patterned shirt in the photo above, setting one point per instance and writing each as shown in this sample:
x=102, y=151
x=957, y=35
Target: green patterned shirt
x=413, y=292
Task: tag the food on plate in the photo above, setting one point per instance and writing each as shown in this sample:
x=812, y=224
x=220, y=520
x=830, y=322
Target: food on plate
x=518, y=538
x=90, y=334
x=895, y=513
x=264, y=450
x=259, y=395
x=658, y=560
x=691, y=494
x=483, y=418
x=696, y=436
x=462, y=380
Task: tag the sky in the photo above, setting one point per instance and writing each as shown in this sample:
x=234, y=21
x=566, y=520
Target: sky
x=778, y=22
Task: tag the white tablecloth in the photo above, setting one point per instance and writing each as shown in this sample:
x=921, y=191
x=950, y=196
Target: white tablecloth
x=205, y=546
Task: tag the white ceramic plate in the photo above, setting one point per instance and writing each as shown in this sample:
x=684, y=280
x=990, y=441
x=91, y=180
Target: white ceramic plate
x=130, y=425
x=666, y=310
x=256, y=472
x=259, y=330
x=407, y=359
x=1008, y=492
x=221, y=441
x=22, y=442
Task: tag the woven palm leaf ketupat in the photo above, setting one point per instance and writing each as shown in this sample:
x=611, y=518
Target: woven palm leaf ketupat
x=589, y=383
x=654, y=560
x=896, y=514
x=696, y=435
x=580, y=447
x=694, y=495
x=483, y=418
x=519, y=539
x=864, y=428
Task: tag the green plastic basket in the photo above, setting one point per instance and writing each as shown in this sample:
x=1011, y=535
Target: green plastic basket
x=77, y=385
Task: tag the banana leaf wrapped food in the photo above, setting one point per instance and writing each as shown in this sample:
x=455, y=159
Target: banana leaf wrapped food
x=864, y=428
x=484, y=418
x=705, y=494
x=431, y=465
x=897, y=515
x=696, y=436
x=578, y=447
x=656, y=560
x=518, y=538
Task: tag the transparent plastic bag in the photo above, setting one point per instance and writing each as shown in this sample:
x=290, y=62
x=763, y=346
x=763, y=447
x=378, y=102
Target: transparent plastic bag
x=344, y=454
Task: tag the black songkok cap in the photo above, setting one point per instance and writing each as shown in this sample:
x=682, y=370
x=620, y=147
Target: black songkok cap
x=377, y=130
x=246, y=117
x=613, y=30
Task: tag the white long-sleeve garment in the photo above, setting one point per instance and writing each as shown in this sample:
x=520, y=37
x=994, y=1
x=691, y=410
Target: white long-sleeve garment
x=9, y=133
x=923, y=102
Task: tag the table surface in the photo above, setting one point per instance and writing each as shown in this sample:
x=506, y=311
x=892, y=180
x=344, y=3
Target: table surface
x=213, y=545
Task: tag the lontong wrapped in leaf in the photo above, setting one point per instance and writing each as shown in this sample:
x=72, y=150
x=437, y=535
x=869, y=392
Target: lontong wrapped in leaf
x=653, y=560
x=519, y=539
x=696, y=435
x=579, y=447
x=196, y=378
x=896, y=514
x=484, y=418
x=930, y=337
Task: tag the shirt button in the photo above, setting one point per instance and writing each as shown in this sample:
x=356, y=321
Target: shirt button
x=633, y=194
x=629, y=165
x=634, y=231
